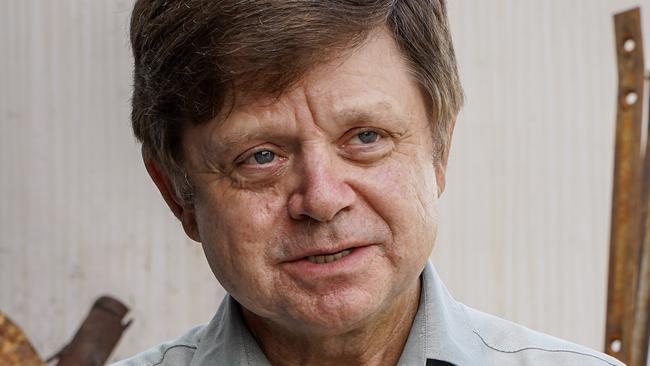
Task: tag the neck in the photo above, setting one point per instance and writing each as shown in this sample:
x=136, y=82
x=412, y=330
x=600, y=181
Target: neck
x=379, y=341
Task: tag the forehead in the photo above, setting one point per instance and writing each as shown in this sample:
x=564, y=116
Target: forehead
x=371, y=82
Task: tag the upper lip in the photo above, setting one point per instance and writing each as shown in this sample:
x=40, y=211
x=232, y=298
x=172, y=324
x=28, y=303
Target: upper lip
x=304, y=253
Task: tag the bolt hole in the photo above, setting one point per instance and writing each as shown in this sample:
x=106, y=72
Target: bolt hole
x=631, y=98
x=615, y=346
x=629, y=45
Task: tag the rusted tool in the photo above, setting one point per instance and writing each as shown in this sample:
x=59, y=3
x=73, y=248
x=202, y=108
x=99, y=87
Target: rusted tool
x=626, y=336
x=97, y=336
x=15, y=348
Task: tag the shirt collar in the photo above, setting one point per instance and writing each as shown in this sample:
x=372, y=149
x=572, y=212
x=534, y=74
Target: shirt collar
x=227, y=340
x=440, y=331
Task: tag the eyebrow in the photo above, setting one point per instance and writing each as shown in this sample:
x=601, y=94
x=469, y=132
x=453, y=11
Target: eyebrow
x=376, y=113
x=358, y=117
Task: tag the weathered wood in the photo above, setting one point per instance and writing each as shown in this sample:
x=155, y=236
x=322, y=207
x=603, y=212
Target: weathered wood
x=626, y=229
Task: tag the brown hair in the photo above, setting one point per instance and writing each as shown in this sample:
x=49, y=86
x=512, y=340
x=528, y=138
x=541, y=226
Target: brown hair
x=191, y=54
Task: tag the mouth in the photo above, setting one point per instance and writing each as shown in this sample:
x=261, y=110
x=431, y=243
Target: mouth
x=319, y=266
x=328, y=258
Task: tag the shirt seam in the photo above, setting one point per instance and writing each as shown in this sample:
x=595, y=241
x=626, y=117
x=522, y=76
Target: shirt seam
x=162, y=357
x=425, y=326
x=541, y=349
x=246, y=351
x=240, y=334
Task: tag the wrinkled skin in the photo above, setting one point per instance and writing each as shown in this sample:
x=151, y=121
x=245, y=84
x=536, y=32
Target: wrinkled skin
x=342, y=160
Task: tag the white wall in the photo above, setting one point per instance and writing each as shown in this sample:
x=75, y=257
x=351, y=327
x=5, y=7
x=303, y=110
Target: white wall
x=525, y=217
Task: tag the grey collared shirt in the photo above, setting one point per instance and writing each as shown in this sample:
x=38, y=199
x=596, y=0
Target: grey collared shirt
x=444, y=332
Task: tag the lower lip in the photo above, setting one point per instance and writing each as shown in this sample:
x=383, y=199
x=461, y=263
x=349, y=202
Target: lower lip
x=352, y=262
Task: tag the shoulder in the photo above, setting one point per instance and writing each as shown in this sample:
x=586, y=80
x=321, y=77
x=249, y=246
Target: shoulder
x=177, y=352
x=507, y=343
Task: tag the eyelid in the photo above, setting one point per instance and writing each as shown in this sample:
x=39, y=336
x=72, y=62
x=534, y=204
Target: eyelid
x=356, y=131
x=370, y=153
x=243, y=157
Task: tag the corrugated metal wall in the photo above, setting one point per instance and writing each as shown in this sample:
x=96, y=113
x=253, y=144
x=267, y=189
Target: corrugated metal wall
x=525, y=217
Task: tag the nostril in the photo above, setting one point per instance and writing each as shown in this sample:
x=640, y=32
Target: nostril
x=294, y=206
x=321, y=192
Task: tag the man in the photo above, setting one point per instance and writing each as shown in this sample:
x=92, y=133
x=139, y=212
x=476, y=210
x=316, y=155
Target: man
x=304, y=144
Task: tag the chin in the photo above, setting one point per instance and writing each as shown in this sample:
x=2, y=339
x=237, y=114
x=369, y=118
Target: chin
x=336, y=313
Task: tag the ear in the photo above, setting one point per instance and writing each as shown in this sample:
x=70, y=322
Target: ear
x=441, y=163
x=184, y=212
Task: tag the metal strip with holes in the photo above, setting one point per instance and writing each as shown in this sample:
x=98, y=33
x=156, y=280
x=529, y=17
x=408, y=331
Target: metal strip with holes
x=626, y=228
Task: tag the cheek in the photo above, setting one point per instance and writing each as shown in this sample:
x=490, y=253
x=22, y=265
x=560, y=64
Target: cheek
x=424, y=200
x=409, y=185
x=234, y=230
x=404, y=193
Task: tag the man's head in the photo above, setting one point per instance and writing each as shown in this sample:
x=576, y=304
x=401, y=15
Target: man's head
x=285, y=134
x=191, y=56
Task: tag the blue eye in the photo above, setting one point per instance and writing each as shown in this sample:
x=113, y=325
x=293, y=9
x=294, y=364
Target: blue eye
x=264, y=156
x=368, y=137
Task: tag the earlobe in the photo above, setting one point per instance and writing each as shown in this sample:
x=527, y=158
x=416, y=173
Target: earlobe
x=441, y=165
x=188, y=221
x=440, y=178
x=184, y=212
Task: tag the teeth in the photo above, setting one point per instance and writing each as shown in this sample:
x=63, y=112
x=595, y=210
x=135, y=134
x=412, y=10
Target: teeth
x=329, y=258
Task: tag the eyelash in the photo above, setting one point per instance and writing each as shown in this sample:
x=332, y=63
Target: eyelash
x=357, y=135
x=247, y=156
x=380, y=135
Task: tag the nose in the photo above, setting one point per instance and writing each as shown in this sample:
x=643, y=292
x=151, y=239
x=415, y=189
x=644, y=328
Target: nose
x=322, y=192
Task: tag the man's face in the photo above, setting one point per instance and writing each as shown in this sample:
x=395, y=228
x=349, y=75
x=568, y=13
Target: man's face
x=317, y=210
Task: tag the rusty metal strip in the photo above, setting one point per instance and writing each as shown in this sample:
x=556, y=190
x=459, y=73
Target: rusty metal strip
x=626, y=229
x=97, y=336
x=641, y=335
x=641, y=332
